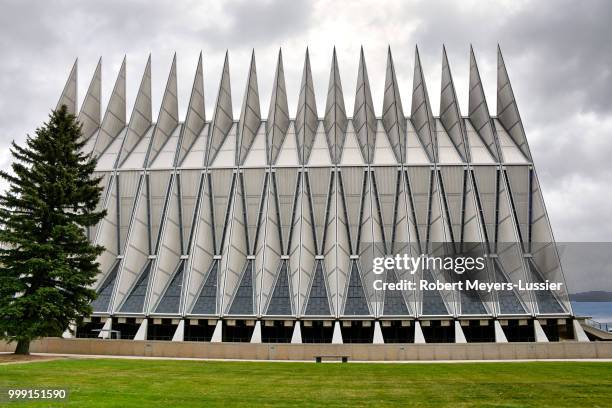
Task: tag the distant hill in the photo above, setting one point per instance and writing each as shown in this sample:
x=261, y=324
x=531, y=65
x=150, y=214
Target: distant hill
x=592, y=296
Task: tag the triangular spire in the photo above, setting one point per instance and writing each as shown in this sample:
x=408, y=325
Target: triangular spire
x=242, y=303
x=394, y=303
x=280, y=302
x=318, y=300
x=206, y=302
x=90, y=114
x=478, y=111
x=114, y=117
x=141, y=118
x=250, y=116
x=364, y=118
x=223, y=117
x=450, y=115
x=306, y=119
x=393, y=118
x=507, y=109
x=356, y=302
x=167, y=120
x=196, y=115
x=335, y=120
x=278, y=116
x=69, y=94
x=421, y=115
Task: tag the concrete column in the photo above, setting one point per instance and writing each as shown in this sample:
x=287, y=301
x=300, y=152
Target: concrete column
x=70, y=331
x=378, y=336
x=459, y=336
x=296, y=338
x=579, y=331
x=418, y=333
x=256, y=337
x=500, y=336
x=540, y=336
x=337, y=337
x=217, y=336
x=179, y=334
x=105, y=332
x=141, y=334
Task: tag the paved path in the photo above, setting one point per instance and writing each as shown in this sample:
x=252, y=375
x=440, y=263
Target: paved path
x=56, y=356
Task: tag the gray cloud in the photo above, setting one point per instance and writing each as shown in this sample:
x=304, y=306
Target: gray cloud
x=558, y=54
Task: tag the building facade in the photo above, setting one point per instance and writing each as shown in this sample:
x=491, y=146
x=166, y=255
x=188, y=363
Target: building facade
x=264, y=230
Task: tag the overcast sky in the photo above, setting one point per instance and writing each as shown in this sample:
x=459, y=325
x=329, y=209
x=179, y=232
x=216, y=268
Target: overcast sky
x=558, y=54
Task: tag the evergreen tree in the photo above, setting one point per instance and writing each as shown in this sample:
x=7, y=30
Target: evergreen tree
x=47, y=264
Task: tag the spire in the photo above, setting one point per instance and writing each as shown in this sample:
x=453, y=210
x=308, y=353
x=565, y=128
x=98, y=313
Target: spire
x=196, y=115
x=306, y=119
x=223, y=117
x=250, y=116
x=69, y=94
x=478, y=111
x=393, y=118
x=507, y=109
x=167, y=120
x=89, y=116
x=141, y=118
x=335, y=120
x=114, y=117
x=450, y=116
x=278, y=115
x=364, y=118
x=421, y=115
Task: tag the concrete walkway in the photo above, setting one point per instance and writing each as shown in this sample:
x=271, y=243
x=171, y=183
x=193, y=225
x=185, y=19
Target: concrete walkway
x=58, y=356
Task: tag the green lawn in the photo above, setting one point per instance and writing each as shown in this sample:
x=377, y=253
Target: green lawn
x=166, y=383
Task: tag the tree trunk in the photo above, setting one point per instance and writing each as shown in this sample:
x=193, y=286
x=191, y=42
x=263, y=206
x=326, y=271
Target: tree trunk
x=23, y=347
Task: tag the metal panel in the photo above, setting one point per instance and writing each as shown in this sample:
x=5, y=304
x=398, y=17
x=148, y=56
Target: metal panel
x=69, y=94
x=196, y=116
x=478, y=111
x=167, y=120
x=364, y=118
x=223, y=116
x=306, y=119
x=450, y=114
x=507, y=109
x=421, y=114
x=393, y=114
x=278, y=115
x=89, y=115
x=335, y=120
x=141, y=118
x=250, y=116
x=114, y=117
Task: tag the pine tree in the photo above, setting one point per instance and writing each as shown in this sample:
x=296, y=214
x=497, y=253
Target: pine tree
x=47, y=264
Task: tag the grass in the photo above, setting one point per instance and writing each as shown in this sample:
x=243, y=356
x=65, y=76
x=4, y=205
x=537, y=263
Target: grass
x=130, y=383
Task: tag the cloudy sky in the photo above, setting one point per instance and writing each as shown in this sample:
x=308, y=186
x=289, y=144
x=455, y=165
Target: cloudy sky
x=558, y=54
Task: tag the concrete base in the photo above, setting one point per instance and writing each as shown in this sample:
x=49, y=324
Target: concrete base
x=256, y=337
x=418, y=333
x=579, y=332
x=378, y=336
x=500, y=336
x=179, y=334
x=141, y=334
x=70, y=331
x=296, y=338
x=217, y=336
x=337, y=336
x=459, y=336
x=540, y=336
x=307, y=352
x=105, y=332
